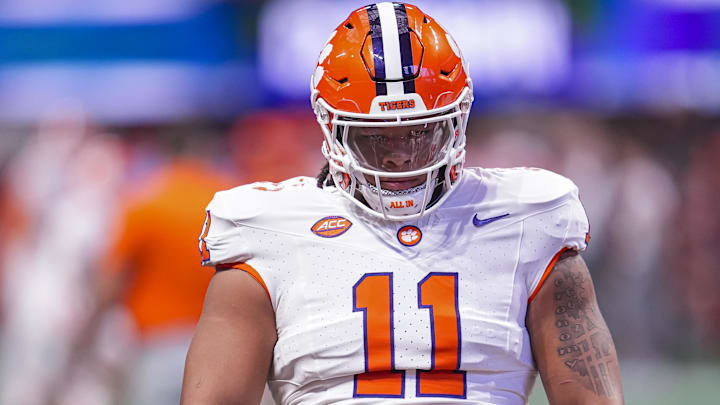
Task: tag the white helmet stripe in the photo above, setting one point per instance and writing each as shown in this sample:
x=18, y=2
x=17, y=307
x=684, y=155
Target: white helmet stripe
x=391, y=47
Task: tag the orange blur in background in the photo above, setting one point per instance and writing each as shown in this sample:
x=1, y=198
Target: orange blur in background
x=155, y=244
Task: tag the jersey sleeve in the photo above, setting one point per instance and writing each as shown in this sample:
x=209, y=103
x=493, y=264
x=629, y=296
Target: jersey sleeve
x=221, y=241
x=225, y=237
x=241, y=232
x=225, y=243
x=557, y=224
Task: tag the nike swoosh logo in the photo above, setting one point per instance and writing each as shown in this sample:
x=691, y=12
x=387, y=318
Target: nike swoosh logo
x=483, y=222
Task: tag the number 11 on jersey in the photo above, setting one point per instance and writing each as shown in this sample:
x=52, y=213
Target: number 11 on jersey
x=372, y=295
x=437, y=292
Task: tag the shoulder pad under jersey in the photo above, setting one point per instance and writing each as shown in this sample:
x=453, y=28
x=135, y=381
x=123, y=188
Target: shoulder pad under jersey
x=520, y=191
x=531, y=186
x=226, y=238
x=249, y=201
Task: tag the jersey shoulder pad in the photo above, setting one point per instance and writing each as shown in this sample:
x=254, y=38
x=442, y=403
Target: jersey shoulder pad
x=530, y=187
x=250, y=201
x=227, y=235
x=540, y=186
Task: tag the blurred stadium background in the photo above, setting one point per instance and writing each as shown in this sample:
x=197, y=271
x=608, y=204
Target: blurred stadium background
x=119, y=117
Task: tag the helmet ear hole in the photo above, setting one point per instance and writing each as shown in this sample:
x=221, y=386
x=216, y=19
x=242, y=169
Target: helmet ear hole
x=349, y=26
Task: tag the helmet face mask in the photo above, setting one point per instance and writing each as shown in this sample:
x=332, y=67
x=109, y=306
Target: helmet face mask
x=398, y=148
x=387, y=152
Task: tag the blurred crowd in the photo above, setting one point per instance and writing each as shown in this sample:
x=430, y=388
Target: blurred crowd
x=101, y=283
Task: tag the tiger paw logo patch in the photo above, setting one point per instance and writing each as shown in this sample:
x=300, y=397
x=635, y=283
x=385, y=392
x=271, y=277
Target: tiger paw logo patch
x=409, y=235
x=331, y=227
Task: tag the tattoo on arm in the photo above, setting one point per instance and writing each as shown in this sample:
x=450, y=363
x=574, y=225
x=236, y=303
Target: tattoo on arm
x=584, y=344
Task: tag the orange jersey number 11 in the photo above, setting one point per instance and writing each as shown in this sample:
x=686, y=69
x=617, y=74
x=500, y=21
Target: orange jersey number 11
x=437, y=292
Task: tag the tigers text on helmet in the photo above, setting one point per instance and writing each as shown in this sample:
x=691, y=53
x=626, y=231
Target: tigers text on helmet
x=392, y=96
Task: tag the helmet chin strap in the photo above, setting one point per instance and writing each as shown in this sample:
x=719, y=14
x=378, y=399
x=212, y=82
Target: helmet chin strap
x=398, y=202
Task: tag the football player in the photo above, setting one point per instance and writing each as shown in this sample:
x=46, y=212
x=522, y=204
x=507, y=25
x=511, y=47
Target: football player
x=399, y=276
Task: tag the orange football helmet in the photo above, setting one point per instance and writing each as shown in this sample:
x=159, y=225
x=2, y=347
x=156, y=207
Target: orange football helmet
x=392, y=96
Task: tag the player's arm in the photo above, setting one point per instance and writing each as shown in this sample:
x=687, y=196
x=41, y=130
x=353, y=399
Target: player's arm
x=571, y=343
x=231, y=352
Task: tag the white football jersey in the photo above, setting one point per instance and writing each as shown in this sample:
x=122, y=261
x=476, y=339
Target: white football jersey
x=430, y=311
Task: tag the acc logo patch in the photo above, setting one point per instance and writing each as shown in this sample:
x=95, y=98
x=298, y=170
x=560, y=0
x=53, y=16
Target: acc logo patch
x=409, y=235
x=330, y=227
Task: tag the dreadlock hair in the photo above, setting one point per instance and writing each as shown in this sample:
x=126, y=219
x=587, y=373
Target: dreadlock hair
x=324, y=176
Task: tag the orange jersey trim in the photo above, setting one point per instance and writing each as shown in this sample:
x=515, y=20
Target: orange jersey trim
x=548, y=269
x=247, y=269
